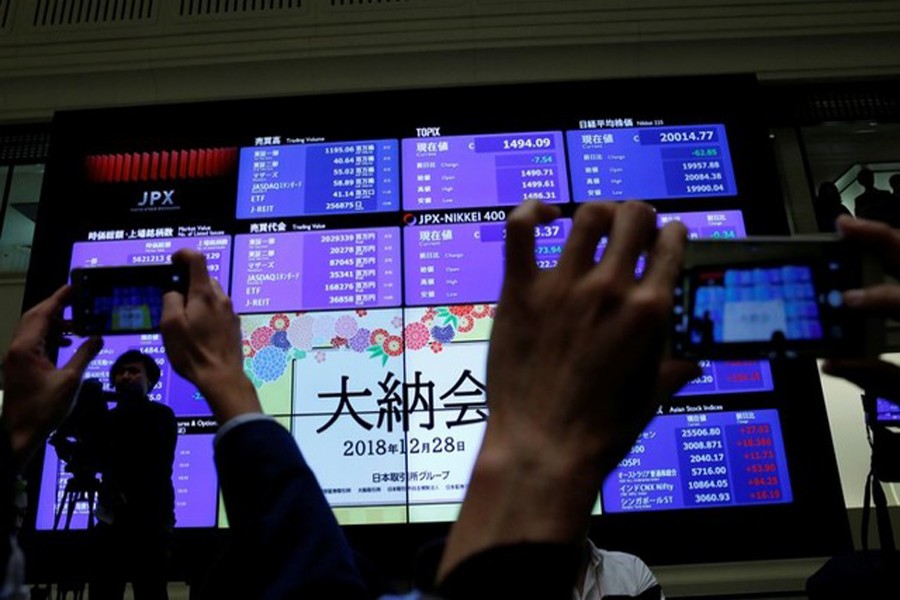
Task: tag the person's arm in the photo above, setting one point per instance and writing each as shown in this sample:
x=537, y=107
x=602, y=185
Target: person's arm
x=574, y=374
x=286, y=541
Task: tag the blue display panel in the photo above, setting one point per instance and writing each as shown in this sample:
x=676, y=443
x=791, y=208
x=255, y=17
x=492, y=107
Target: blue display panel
x=318, y=179
x=887, y=411
x=652, y=163
x=702, y=459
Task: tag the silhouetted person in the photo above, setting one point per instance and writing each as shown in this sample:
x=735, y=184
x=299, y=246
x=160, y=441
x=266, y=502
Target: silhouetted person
x=778, y=344
x=829, y=207
x=873, y=203
x=894, y=182
x=136, y=510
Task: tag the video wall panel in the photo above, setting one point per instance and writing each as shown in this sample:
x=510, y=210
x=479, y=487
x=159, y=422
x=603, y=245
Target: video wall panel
x=365, y=258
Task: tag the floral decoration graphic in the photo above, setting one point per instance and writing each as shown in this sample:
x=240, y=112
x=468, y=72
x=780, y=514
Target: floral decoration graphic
x=272, y=342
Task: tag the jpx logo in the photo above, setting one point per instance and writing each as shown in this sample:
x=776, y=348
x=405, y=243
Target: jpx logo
x=157, y=198
x=156, y=201
x=427, y=219
x=428, y=132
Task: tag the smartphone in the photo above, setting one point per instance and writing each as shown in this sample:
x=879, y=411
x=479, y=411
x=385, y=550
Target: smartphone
x=122, y=300
x=773, y=298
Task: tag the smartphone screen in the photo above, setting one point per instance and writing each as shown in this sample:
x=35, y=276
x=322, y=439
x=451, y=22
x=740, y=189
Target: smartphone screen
x=772, y=299
x=121, y=300
x=887, y=412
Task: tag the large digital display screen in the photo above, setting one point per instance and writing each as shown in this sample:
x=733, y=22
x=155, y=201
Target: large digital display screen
x=365, y=259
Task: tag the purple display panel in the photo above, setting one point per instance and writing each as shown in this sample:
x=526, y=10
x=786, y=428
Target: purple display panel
x=195, y=482
x=698, y=460
x=651, y=163
x=318, y=179
x=483, y=170
x=54, y=478
x=317, y=270
x=193, y=479
x=887, y=411
x=714, y=225
x=452, y=264
x=121, y=253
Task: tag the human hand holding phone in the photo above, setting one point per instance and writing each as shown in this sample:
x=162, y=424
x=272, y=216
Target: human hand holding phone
x=774, y=298
x=202, y=335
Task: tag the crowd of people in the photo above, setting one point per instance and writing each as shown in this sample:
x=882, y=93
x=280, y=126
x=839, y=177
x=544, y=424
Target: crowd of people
x=567, y=396
x=874, y=203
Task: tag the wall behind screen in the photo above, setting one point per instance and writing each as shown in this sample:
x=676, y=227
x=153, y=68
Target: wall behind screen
x=75, y=212
x=49, y=62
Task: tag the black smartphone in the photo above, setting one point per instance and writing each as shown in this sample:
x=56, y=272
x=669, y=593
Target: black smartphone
x=122, y=300
x=773, y=298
